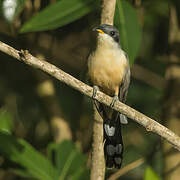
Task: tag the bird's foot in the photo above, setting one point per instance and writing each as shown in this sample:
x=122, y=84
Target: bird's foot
x=98, y=106
x=114, y=100
x=95, y=89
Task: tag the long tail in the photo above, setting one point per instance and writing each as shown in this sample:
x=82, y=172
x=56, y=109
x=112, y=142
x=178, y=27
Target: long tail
x=113, y=143
x=113, y=147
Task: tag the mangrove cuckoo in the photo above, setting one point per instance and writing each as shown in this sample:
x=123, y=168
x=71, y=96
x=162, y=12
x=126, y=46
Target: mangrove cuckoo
x=109, y=72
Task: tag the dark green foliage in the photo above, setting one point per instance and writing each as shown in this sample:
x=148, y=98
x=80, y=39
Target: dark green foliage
x=34, y=164
x=6, y=121
x=69, y=162
x=130, y=32
x=59, y=14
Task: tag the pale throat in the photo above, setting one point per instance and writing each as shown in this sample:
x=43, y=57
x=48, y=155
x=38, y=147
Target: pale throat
x=107, y=42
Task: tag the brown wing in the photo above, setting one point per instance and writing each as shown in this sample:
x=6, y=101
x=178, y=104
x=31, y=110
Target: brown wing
x=123, y=89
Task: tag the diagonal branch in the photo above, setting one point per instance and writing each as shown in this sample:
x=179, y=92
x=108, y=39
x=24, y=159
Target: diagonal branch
x=126, y=169
x=148, y=123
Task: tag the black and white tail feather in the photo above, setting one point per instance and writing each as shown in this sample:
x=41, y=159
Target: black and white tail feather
x=113, y=142
x=113, y=146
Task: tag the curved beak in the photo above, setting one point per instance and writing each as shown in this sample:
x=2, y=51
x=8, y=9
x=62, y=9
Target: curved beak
x=98, y=29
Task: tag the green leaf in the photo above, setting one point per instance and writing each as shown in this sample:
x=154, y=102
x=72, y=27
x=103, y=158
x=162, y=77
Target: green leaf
x=6, y=122
x=150, y=174
x=21, y=173
x=22, y=153
x=69, y=161
x=130, y=32
x=59, y=14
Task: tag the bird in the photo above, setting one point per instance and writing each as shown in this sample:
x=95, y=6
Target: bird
x=109, y=72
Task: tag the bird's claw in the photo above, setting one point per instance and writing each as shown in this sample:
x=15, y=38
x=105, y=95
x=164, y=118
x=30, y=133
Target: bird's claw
x=95, y=89
x=98, y=106
x=114, y=100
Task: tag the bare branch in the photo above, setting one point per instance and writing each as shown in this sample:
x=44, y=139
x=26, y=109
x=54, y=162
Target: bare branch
x=97, y=164
x=126, y=169
x=148, y=123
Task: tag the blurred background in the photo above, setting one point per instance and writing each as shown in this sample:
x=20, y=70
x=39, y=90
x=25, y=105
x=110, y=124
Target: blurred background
x=46, y=126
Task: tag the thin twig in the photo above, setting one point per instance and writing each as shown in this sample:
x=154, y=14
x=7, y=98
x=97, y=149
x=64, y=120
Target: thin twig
x=126, y=169
x=148, y=123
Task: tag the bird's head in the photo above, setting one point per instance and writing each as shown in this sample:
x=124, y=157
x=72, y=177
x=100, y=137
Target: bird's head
x=108, y=32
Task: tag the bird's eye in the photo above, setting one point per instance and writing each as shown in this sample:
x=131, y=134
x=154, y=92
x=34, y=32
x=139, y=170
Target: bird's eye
x=112, y=33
